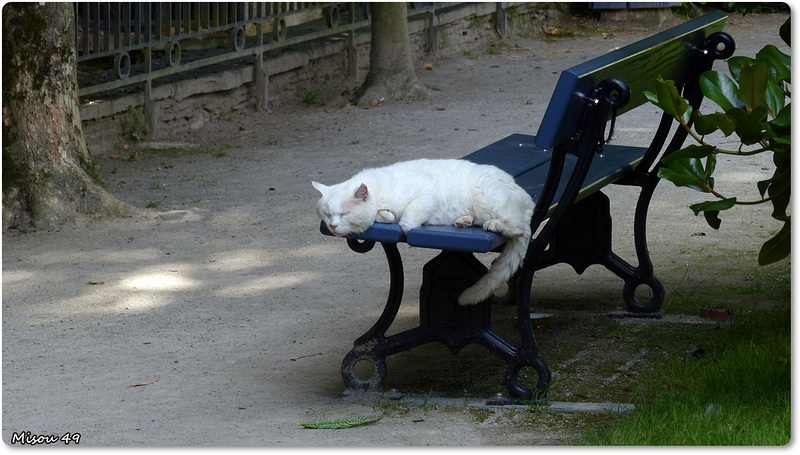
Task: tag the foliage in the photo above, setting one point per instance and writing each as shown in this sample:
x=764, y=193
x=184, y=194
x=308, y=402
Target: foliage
x=136, y=125
x=340, y=423
x=756, y=107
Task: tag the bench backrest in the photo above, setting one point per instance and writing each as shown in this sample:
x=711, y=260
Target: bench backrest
x=667, y=54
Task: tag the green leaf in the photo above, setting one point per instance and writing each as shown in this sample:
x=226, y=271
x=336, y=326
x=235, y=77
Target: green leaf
x=688, y=172
x=720, y=89
x=748, y=124
x=712, y=218
x=786, y=140
x=778, y=247
x=711, y=210
x=735, y=65
x=782, y=177
x=782, y=123
x=774, y=98
x=753, y=85
x=780, y=187
x=711, y=164
x=668, y=99
x=652, y=97
x=721, y=204
x=690, y=151
x=707, y=124
x=339, y=424
x=780, y=64
x=785, y=32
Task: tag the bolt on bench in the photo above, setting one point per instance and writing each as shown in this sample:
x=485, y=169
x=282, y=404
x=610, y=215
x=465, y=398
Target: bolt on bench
x=563, y=168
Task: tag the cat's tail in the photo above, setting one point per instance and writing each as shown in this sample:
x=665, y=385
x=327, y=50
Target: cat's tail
x=501, y=271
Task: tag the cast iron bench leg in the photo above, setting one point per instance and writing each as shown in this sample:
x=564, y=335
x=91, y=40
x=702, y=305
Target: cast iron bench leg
x=368, y=347
x=527, y=355
x=443, y=319
x=642, y=274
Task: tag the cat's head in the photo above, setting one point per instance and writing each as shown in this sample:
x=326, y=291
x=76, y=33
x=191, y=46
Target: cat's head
x=345, y=209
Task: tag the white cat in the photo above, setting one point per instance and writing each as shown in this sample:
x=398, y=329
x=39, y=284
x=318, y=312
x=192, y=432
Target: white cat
x=436, y=192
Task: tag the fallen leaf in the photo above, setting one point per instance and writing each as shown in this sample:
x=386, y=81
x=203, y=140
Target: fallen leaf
x=341, y=423
x=142, y=384
x=304, y=356
x=549, y=30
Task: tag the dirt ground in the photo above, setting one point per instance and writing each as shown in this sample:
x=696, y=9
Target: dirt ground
x=220, y=315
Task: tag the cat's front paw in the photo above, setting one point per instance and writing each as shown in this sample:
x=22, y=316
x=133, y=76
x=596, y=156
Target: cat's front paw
x=464, y=221
x=406, y=226
x=385, y=216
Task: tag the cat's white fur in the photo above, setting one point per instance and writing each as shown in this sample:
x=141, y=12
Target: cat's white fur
x=436, y=192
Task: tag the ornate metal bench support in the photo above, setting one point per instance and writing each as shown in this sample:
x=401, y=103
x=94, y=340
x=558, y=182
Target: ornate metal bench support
x=368, y=347
x=583, y=238
x=442, y=319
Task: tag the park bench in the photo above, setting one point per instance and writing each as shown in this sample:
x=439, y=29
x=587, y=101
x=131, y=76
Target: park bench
x=564, y=168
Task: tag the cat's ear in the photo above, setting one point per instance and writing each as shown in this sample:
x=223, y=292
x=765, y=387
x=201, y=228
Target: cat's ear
x=320, y=187
x=362, y=193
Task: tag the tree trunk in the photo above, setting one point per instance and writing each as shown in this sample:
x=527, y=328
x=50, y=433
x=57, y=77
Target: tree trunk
x=391, y=68
x=48, y=176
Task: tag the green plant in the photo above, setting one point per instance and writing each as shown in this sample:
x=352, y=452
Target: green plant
x=756, y=107
x=135, y=124
x=386, y=404
x=310, y=97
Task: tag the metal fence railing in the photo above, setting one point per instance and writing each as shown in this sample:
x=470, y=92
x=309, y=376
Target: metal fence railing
x=122, y=44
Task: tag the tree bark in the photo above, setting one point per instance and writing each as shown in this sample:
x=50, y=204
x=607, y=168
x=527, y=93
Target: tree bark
x=48, y=176
x=391, y=68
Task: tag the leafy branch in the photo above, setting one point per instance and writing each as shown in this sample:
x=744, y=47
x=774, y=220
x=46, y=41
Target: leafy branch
x=755, y=106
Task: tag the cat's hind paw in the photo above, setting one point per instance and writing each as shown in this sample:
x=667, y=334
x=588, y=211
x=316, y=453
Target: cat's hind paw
x=495, y=226
x=464, y=221
x=385, y=216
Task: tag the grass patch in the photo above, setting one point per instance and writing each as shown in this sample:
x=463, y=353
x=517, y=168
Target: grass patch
x=734, y=389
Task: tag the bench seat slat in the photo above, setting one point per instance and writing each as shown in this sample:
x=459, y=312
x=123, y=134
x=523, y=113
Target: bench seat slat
x=378, y=232
x=514, y=154
x=473, y=239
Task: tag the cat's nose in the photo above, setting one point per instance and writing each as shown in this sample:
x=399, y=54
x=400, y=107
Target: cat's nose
x=333, y=227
